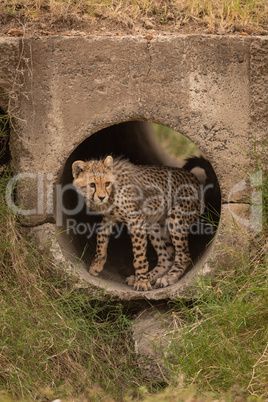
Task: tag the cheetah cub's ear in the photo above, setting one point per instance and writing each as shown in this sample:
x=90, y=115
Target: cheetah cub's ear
x=77, y=168
x=108, y=163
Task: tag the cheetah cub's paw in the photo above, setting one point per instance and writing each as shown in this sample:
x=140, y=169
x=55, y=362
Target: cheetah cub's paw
x=162, y=282
x=130, y=280
x=95, y=269
x=142, y=284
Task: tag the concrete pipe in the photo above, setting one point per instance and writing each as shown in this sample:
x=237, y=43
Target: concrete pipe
x=80, y=97
x=78, y=226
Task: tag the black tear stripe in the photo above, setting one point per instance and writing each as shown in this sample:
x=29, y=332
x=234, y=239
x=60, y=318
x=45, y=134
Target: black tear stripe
x=92, y=198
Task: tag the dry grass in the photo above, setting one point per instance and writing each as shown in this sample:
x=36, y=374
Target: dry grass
x=218, y=16
x=55, y=341
x=59, y=343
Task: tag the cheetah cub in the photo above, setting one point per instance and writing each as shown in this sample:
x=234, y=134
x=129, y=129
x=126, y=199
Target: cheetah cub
x=156, y=201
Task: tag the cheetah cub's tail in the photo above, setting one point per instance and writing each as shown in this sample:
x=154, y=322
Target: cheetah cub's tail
x=203, y=170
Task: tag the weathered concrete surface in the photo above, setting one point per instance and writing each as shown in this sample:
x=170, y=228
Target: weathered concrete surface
x=203, y=87
x=9, y=63
x=61, y=90
x=199, y=86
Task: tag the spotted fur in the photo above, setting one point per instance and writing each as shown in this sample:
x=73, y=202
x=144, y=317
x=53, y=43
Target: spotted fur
x=158, y=201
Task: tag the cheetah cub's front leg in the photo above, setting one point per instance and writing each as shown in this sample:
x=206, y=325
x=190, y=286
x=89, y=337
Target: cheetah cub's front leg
x=103, y=236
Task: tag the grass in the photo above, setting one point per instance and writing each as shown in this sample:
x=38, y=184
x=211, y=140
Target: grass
x=175, y=145
x=219, y=16
x=55, y=341
x=58, y=342
x=4, y=136
x=223, y=345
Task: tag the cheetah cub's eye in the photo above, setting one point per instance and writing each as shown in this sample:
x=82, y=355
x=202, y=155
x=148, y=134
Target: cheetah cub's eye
x=107, y=184
x=93, y=185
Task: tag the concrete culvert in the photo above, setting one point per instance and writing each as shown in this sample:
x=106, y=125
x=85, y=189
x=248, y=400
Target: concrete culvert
x=60, y=90
x=135, y=141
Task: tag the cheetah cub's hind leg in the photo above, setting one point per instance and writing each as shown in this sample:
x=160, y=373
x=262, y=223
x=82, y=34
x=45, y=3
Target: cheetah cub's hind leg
x=139, y=244
x=161, y=242
x=178, y=226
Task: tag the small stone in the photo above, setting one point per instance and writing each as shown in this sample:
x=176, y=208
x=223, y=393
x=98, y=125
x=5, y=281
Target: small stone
x=148, y=24
x=151, y=332
x=16, y=32
x=170, y=16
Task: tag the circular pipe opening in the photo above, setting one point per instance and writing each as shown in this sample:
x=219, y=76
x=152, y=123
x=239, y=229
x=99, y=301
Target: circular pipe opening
x=135, y=141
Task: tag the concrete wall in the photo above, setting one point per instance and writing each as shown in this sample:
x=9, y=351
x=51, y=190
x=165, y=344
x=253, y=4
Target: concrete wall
x=61, y=90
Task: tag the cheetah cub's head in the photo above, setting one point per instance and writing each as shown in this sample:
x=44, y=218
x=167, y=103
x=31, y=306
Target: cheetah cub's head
x=94, y=180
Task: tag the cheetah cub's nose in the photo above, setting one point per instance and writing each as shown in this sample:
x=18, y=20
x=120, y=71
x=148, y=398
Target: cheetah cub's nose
x=101, y=198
